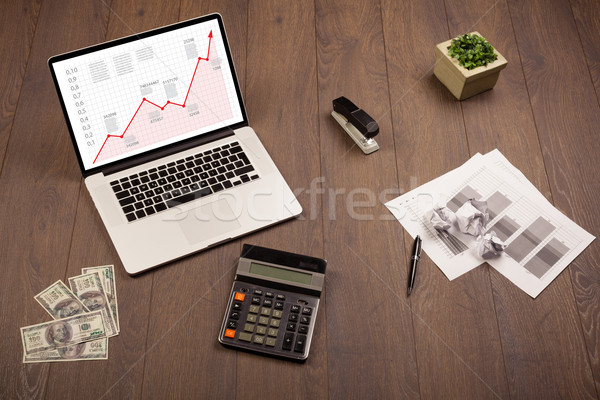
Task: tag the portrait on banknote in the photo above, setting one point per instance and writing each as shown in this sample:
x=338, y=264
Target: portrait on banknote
x=58, y=333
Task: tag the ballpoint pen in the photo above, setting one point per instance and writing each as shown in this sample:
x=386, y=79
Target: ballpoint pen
x=416, y=254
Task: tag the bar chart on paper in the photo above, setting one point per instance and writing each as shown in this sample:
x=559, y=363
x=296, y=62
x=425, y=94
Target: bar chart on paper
x=148, y=93
x=540, y=240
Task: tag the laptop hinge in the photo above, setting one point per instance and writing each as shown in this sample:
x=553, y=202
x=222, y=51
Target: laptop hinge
x=163, y=152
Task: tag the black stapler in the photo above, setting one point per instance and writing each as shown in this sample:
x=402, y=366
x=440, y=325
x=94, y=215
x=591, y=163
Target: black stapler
x=357, y=123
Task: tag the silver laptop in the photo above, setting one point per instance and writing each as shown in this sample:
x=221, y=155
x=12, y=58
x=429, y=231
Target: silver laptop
x=162, y=138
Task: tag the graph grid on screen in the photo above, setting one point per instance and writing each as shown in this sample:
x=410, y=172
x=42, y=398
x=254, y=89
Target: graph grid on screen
x=148, y=93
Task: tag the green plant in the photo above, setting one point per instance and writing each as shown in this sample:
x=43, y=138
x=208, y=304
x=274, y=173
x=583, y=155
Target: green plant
x=471, y=51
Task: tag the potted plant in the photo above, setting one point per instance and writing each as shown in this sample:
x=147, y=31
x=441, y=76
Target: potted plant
x=467, y=65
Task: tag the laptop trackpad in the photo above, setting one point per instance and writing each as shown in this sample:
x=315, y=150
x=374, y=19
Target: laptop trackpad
x=208, y=221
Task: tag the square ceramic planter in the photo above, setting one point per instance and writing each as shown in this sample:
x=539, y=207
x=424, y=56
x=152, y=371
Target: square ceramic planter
x=461, y=82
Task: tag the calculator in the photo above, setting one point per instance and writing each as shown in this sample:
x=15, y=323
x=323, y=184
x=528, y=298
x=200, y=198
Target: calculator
x=273, y=303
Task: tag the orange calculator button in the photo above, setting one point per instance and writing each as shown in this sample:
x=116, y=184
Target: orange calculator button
x=230, y=333
x=239, y=296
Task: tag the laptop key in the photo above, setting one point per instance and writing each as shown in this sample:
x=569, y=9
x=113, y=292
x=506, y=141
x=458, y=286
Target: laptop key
x=217, y=188
x=235, y=149
x=123, y=194
x=131, y=217
x=160, y=207
x=188, y=197
x=149, y=210
x=128, y=209
x=138, y=205
x=140, y=213
x=127, y=201
x=227, y=184
x=244, y=170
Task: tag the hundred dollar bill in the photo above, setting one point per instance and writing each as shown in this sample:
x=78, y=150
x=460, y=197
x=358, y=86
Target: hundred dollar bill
x=107, y=276
x=63, y=332
x=94, y=350
x=60, y=302
x=88, y=288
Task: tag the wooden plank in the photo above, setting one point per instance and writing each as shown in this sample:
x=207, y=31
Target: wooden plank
x=39, y=190
x=587, y=19
x=281, y=88
x=458, y=345
x=17, y=31
x=91, y=246
x=566, y=111
x=189, y=296
x=502, y=118
x=369, y=325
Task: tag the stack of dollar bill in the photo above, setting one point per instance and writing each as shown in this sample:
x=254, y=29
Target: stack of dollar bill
x=85, y=316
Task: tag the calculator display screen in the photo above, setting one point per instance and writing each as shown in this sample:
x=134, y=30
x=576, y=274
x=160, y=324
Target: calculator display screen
x=280, y=273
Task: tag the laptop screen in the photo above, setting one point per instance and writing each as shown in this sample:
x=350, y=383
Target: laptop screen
x=147, y=91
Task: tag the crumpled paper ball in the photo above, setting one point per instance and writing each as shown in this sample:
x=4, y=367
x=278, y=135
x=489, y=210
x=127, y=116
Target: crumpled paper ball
x=442, y=218
x=472, y=217
x=490, y=246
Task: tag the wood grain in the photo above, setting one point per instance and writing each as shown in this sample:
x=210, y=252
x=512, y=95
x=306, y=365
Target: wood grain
x=39, y=188
x=567, y=116
x=587, y=19
x=428, y=123
x=17, y=32
x=369, y=325
x=289, y=130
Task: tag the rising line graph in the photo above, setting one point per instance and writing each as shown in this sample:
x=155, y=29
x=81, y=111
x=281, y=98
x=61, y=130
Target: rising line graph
x=145, y=100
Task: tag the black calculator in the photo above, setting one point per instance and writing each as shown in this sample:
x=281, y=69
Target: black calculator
x=273, y=304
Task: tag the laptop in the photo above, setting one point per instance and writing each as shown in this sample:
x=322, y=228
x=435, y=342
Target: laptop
x=162, y=138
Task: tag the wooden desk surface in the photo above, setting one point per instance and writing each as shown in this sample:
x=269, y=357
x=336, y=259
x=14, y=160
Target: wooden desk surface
x=476, y=337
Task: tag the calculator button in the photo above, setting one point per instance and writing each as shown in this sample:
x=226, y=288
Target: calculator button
x=261, y=330
x=304, y=320
x=275, y=323
x=306, y=310
x=259, y=339
x=303, y=329
x=251, y=318
x=255, y=300
x=300, y=343
x=277, y=314
x=281, y=297
x=293, y=318
x=249, y=327
x=273, y=332
x=270, y=342
x=279, y=305
x=295, y=308
x=267, y=302
x=246, y=337
x=236, y=306
x=288, y=340
x=258, y=292
x=229, y=333
x=269, y=294
x=290, y=326
x=239, y=296
x=263, y=320
x=265, y=311
x=232, y=324
x=254, y=309
x=234, y=315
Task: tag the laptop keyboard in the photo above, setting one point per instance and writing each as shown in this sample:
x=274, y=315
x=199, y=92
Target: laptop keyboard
x=184, y=180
